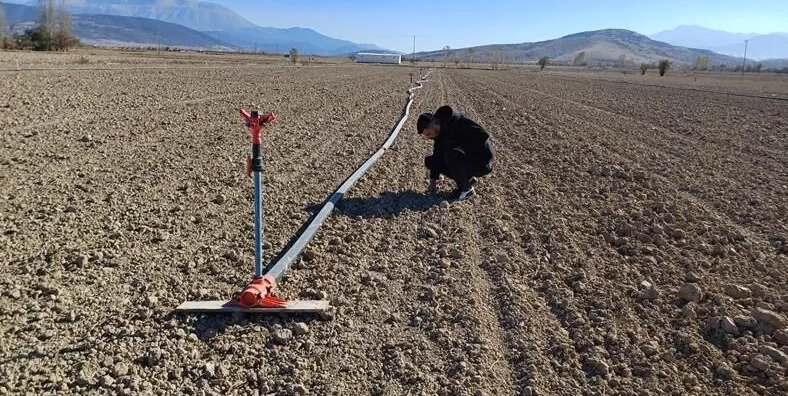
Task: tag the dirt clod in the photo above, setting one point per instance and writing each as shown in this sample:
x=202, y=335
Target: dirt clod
x=737, y=291
x=773, y=319
x=781, y=336
x=774, y=353
x=729, y=326
x=282, y=336
x=690, y=292
x=120, y=369
x=300, y=328
x=760, y=362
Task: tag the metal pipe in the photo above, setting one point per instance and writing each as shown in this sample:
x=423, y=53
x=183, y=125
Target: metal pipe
x=282, y=263
x=258, y=225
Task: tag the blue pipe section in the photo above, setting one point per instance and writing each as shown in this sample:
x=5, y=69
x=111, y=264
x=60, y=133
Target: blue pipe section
x=258, y=225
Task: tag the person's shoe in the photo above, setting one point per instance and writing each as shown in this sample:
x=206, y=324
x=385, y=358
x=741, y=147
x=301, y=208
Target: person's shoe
x=460, y=195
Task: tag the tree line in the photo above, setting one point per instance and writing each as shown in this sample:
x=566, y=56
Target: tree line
x=53, y=30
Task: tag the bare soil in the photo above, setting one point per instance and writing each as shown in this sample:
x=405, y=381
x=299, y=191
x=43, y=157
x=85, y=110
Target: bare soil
x=632, y=239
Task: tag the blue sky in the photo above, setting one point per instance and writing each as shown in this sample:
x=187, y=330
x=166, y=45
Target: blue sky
x=461, y=23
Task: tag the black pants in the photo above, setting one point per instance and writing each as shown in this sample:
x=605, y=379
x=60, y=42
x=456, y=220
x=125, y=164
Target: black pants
x=458, y=166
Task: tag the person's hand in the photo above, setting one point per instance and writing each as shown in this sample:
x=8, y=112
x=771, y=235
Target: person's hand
x=433, y=187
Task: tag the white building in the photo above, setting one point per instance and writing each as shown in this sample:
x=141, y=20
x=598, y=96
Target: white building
x=368, y=57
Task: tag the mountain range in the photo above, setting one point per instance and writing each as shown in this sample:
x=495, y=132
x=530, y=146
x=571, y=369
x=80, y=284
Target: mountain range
x=759, y=46
x=116, y=31
x=222, y=24
x=601, y=47
x=201, y=25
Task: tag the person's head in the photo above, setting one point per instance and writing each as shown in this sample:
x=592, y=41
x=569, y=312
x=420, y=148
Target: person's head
x=428, y=125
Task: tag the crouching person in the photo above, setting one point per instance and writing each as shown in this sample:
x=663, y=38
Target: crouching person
x=461, y=150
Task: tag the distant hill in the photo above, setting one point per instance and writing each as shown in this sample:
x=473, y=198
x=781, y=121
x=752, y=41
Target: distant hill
x=220, y=23
x=197, y=15
x=767, y=46
x=110, y=30
x=699, y=37
x=307, y=41
x=760, y=46
x=601, y=47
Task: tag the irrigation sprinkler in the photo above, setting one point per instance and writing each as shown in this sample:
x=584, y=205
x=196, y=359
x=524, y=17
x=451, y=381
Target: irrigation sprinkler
x=258, y=295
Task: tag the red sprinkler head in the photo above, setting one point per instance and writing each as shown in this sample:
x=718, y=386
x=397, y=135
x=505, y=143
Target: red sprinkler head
x=258, y=295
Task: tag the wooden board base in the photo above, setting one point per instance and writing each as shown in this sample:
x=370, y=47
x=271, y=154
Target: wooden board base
x=303, y=306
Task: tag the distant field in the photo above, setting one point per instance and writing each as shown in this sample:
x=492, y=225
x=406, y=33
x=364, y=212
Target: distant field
x=97, y=57
x=632, y=239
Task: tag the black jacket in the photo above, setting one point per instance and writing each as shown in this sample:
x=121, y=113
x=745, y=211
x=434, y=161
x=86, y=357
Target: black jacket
x=459, y=131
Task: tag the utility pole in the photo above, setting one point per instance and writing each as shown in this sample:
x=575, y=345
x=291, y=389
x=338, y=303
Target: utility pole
x=744, y=61
x=413, y=56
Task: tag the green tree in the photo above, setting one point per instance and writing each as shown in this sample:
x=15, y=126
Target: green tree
x=543, y=62
x=643, y=68
x=664, y=66
x=293, y=55
x=757, y=68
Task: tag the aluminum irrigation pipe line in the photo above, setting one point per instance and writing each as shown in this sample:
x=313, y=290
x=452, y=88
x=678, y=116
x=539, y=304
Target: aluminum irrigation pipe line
x=286, y=259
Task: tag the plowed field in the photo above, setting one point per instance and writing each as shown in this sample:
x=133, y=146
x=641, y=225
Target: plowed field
x=631, y=240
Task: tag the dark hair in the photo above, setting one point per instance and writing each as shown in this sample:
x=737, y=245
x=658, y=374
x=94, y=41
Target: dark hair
x=424, y=121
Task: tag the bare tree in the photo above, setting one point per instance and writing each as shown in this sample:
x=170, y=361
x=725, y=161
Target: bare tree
x=64, y=37
x=579, y=59
x=471, y=51
x=44, y=33
x=293, y=55
x=48, y=16
x=446, y=53
x=664, y=66
x=543, y=62
x=701, y=63
x=2, y=25
x=496, y=58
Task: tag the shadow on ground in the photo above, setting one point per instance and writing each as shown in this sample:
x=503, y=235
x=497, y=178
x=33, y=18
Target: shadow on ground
x=387, y=204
